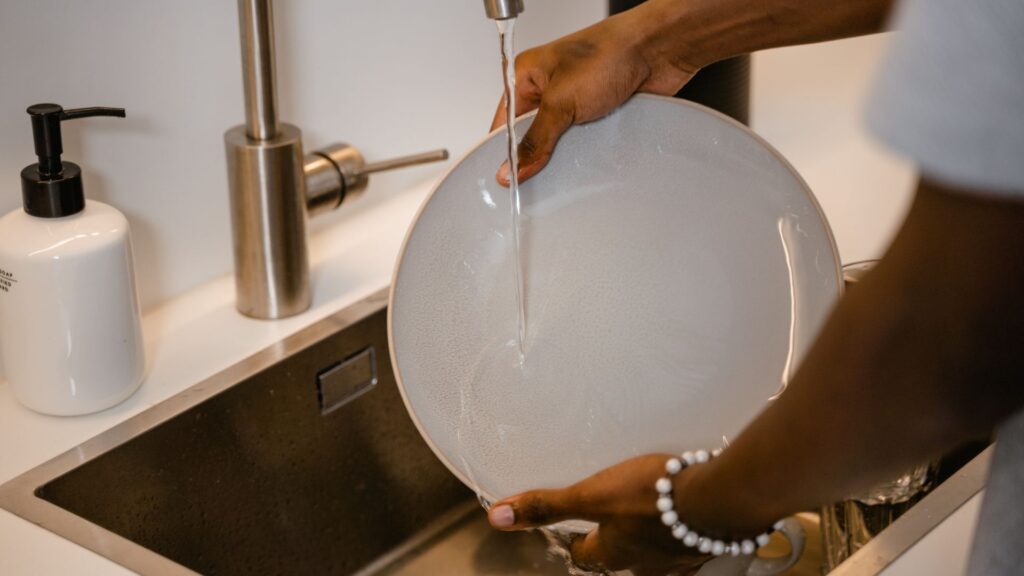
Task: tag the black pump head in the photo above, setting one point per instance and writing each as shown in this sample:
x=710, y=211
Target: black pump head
x=52, y=188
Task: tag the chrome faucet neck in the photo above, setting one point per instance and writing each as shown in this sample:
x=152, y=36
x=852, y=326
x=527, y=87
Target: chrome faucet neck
x=274, y=187
x=256, y=27
x=503, y=9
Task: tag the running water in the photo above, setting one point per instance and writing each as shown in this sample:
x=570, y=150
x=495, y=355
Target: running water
x=468, y=429
x=506, y=35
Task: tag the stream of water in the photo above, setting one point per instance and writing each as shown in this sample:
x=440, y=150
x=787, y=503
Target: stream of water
x=506, y=35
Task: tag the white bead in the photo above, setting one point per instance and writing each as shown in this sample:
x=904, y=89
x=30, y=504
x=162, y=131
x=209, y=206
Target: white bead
x=778, y=525
x=663, y=486
x=704, y=545
x=679, y=531
x=702, y=456
x=717, y=547
x=690, y=458
x=669, y=518
x=665, y=504
x=673, y=466
x=690, y=539
x=762, y=540
x=716, y=452
x=747, y=547
x=734, y=549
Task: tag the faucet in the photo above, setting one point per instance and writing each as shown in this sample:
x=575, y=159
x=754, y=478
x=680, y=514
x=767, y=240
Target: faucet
x=503, y=9
x=274, y=188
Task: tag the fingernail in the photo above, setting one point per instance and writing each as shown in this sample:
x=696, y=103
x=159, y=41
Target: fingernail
x=502, y=516
x=503, y=174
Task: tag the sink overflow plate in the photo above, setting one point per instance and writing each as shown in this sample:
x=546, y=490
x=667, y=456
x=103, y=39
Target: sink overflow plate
x=347, y=380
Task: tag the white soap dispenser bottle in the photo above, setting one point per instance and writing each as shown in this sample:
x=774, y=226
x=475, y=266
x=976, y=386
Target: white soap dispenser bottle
x=70, y=335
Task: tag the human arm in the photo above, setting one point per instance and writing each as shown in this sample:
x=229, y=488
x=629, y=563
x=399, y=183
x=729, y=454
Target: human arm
x=923, y=355
x=656, y=48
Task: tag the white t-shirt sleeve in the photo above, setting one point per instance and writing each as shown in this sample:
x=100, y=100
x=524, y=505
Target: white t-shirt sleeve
x=950, y=94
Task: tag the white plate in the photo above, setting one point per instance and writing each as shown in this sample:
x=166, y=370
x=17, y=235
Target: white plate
x=676, y=267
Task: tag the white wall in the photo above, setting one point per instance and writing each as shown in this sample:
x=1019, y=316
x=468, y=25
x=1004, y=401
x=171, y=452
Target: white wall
x=809, y=103
x=390, y=76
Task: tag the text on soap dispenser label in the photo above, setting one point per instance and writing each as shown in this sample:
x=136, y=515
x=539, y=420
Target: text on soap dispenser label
x=7, y=280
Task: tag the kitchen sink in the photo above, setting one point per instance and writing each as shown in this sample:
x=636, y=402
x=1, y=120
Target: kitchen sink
x=302, y=459
x=299, y=460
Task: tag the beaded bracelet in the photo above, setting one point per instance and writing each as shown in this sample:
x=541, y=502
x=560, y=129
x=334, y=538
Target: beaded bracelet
x=680, y=531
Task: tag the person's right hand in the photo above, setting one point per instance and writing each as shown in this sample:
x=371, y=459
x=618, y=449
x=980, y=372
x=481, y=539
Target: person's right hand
x=586, y=75
x=621, y=500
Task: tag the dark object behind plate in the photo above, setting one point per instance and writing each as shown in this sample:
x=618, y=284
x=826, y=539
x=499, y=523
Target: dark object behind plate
x=723, y=86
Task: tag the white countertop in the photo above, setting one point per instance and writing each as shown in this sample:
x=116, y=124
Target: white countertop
x=944, y=550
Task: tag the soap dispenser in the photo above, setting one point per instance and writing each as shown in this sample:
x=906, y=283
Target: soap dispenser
x=70, y=333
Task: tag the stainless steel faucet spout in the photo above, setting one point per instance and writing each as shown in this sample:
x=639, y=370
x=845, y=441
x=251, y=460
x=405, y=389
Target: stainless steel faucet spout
x=256, y=24
x=503, y=9
x=274, y=188
x=267, y=187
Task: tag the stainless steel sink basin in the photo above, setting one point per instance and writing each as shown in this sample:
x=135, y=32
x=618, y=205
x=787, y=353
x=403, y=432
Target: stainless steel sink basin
x=302, y=460
x=291, y=462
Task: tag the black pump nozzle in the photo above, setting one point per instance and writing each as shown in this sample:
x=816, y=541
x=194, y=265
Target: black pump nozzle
x=46, y=119
x=53, y=188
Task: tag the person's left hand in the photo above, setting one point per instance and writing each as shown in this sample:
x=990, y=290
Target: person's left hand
x=621, y=499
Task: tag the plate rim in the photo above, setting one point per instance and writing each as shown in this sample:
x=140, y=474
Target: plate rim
x=481, y=493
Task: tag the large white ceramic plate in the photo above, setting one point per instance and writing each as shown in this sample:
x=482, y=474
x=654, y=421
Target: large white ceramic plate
x=676, y=268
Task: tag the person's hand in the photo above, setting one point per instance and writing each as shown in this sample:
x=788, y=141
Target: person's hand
x=657, y=47
x=586, y=75
x=621, y=499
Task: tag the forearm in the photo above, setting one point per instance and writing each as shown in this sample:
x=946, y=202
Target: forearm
x=922, y=355
x=690, y=34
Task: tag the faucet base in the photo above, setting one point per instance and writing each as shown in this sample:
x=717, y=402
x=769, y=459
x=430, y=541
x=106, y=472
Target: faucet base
x=268, y=217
